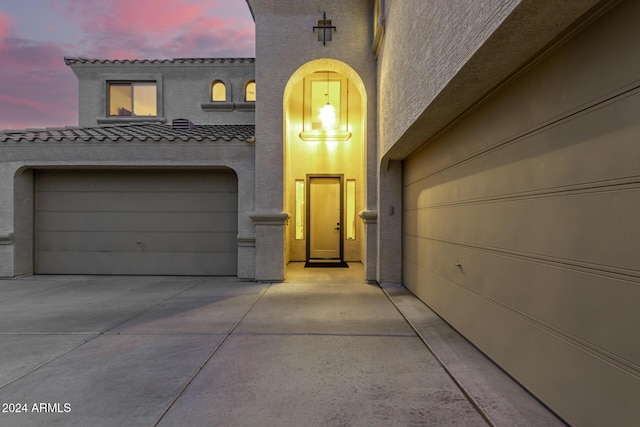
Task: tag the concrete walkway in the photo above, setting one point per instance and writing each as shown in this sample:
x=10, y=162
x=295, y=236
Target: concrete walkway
x=323, y=348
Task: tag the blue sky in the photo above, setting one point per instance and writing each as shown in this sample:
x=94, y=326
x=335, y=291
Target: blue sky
x=36, y=88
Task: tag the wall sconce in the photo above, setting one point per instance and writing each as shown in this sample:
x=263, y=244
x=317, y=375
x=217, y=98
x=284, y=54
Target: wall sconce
x=325, y=29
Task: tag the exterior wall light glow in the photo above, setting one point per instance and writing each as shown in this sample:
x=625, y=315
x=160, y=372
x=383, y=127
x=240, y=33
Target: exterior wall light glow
x=328, y=112
x=324, y=107
x=328, y=116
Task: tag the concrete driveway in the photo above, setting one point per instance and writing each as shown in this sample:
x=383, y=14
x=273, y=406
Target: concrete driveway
x=323, y=348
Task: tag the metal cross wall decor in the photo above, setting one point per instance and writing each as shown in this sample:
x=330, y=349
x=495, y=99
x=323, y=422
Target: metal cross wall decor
x=325, y=29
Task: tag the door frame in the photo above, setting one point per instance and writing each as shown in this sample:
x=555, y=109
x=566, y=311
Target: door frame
x=308, y=213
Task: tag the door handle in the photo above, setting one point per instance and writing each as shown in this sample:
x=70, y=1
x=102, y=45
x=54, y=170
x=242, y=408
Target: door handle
x=338, y=226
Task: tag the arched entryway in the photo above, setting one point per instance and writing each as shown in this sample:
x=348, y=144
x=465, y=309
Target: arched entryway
x=324, y=156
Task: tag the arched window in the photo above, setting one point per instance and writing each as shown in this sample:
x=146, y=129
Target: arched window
x=250, y=91
x=218, y=91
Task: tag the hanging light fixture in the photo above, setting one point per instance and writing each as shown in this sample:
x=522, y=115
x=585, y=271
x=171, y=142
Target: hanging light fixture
x=328, y=112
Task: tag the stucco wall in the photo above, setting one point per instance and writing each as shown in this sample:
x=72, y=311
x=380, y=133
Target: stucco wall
x=182, y=90
x=438, y=58
x=285, y=41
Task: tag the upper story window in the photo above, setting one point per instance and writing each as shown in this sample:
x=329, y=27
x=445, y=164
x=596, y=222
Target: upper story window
x=250, y=91
x=133, y=99
x=218, y=91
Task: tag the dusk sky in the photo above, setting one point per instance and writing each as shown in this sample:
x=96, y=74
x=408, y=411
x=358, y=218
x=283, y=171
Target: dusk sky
x=38, y=90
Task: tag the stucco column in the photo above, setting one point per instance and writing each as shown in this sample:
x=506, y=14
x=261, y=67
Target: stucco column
x=269, y=218
x=390, y=222
x=6, y=254
x=370, y=251
x=6, y=220
x=246, y=228
x=24, y=216
x=269, y=243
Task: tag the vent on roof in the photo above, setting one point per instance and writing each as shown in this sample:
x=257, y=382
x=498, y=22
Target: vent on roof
x=182, y=124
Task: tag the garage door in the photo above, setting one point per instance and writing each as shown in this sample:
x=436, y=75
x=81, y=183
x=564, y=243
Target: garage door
x=136, y=222
x=521, y=224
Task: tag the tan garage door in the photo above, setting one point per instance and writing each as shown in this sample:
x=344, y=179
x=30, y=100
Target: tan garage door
x=152, y=222
x=521, y=224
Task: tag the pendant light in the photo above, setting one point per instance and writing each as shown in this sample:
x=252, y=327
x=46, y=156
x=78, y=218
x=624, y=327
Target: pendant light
x=328, y=112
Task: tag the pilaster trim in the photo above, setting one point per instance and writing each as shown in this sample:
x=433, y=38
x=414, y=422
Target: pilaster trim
x=369, y=216
x=269, y=218
x=246, y=241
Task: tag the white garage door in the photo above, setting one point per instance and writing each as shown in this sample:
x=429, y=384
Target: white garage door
x=151, y=222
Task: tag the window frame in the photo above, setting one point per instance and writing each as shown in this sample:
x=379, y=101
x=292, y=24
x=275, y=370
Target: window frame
x=107, y=79
x=132, y=85
x=246, y=88
x=227, y=91
x=340, y=132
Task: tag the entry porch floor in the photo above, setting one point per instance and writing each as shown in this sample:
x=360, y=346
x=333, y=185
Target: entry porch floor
x=322, y=348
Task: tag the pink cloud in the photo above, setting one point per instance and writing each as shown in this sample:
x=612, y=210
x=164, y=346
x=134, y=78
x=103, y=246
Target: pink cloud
x=141, y=16
x=4, y=24
x=26, y=55
x=28, y=103
x=36, y=88
x=4, y=29
x=171, y=28
x=214, y=36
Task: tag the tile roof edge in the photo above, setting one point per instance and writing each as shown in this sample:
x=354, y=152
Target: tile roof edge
x=119, y=132
x=73, y=60
x=112, y=125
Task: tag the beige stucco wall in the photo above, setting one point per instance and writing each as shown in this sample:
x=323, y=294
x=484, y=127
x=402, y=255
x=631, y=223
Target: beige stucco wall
x=438, y=58
x=285, y=41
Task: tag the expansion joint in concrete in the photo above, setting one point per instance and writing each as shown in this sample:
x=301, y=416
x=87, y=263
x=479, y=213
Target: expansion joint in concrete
x=210, y=356
x=444, y=366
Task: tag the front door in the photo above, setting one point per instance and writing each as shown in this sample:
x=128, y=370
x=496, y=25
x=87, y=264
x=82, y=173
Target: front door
x=325, y=214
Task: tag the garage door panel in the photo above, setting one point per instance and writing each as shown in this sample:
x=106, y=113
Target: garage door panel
x=128, y=242
x=577, y=221
x=410, y=221
x=556, y=158
x=140, y=263
x=136, y=221
x=182, y=222
x=514, y=340
x=136, y=201
x=148, y=181
x=535, y=289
